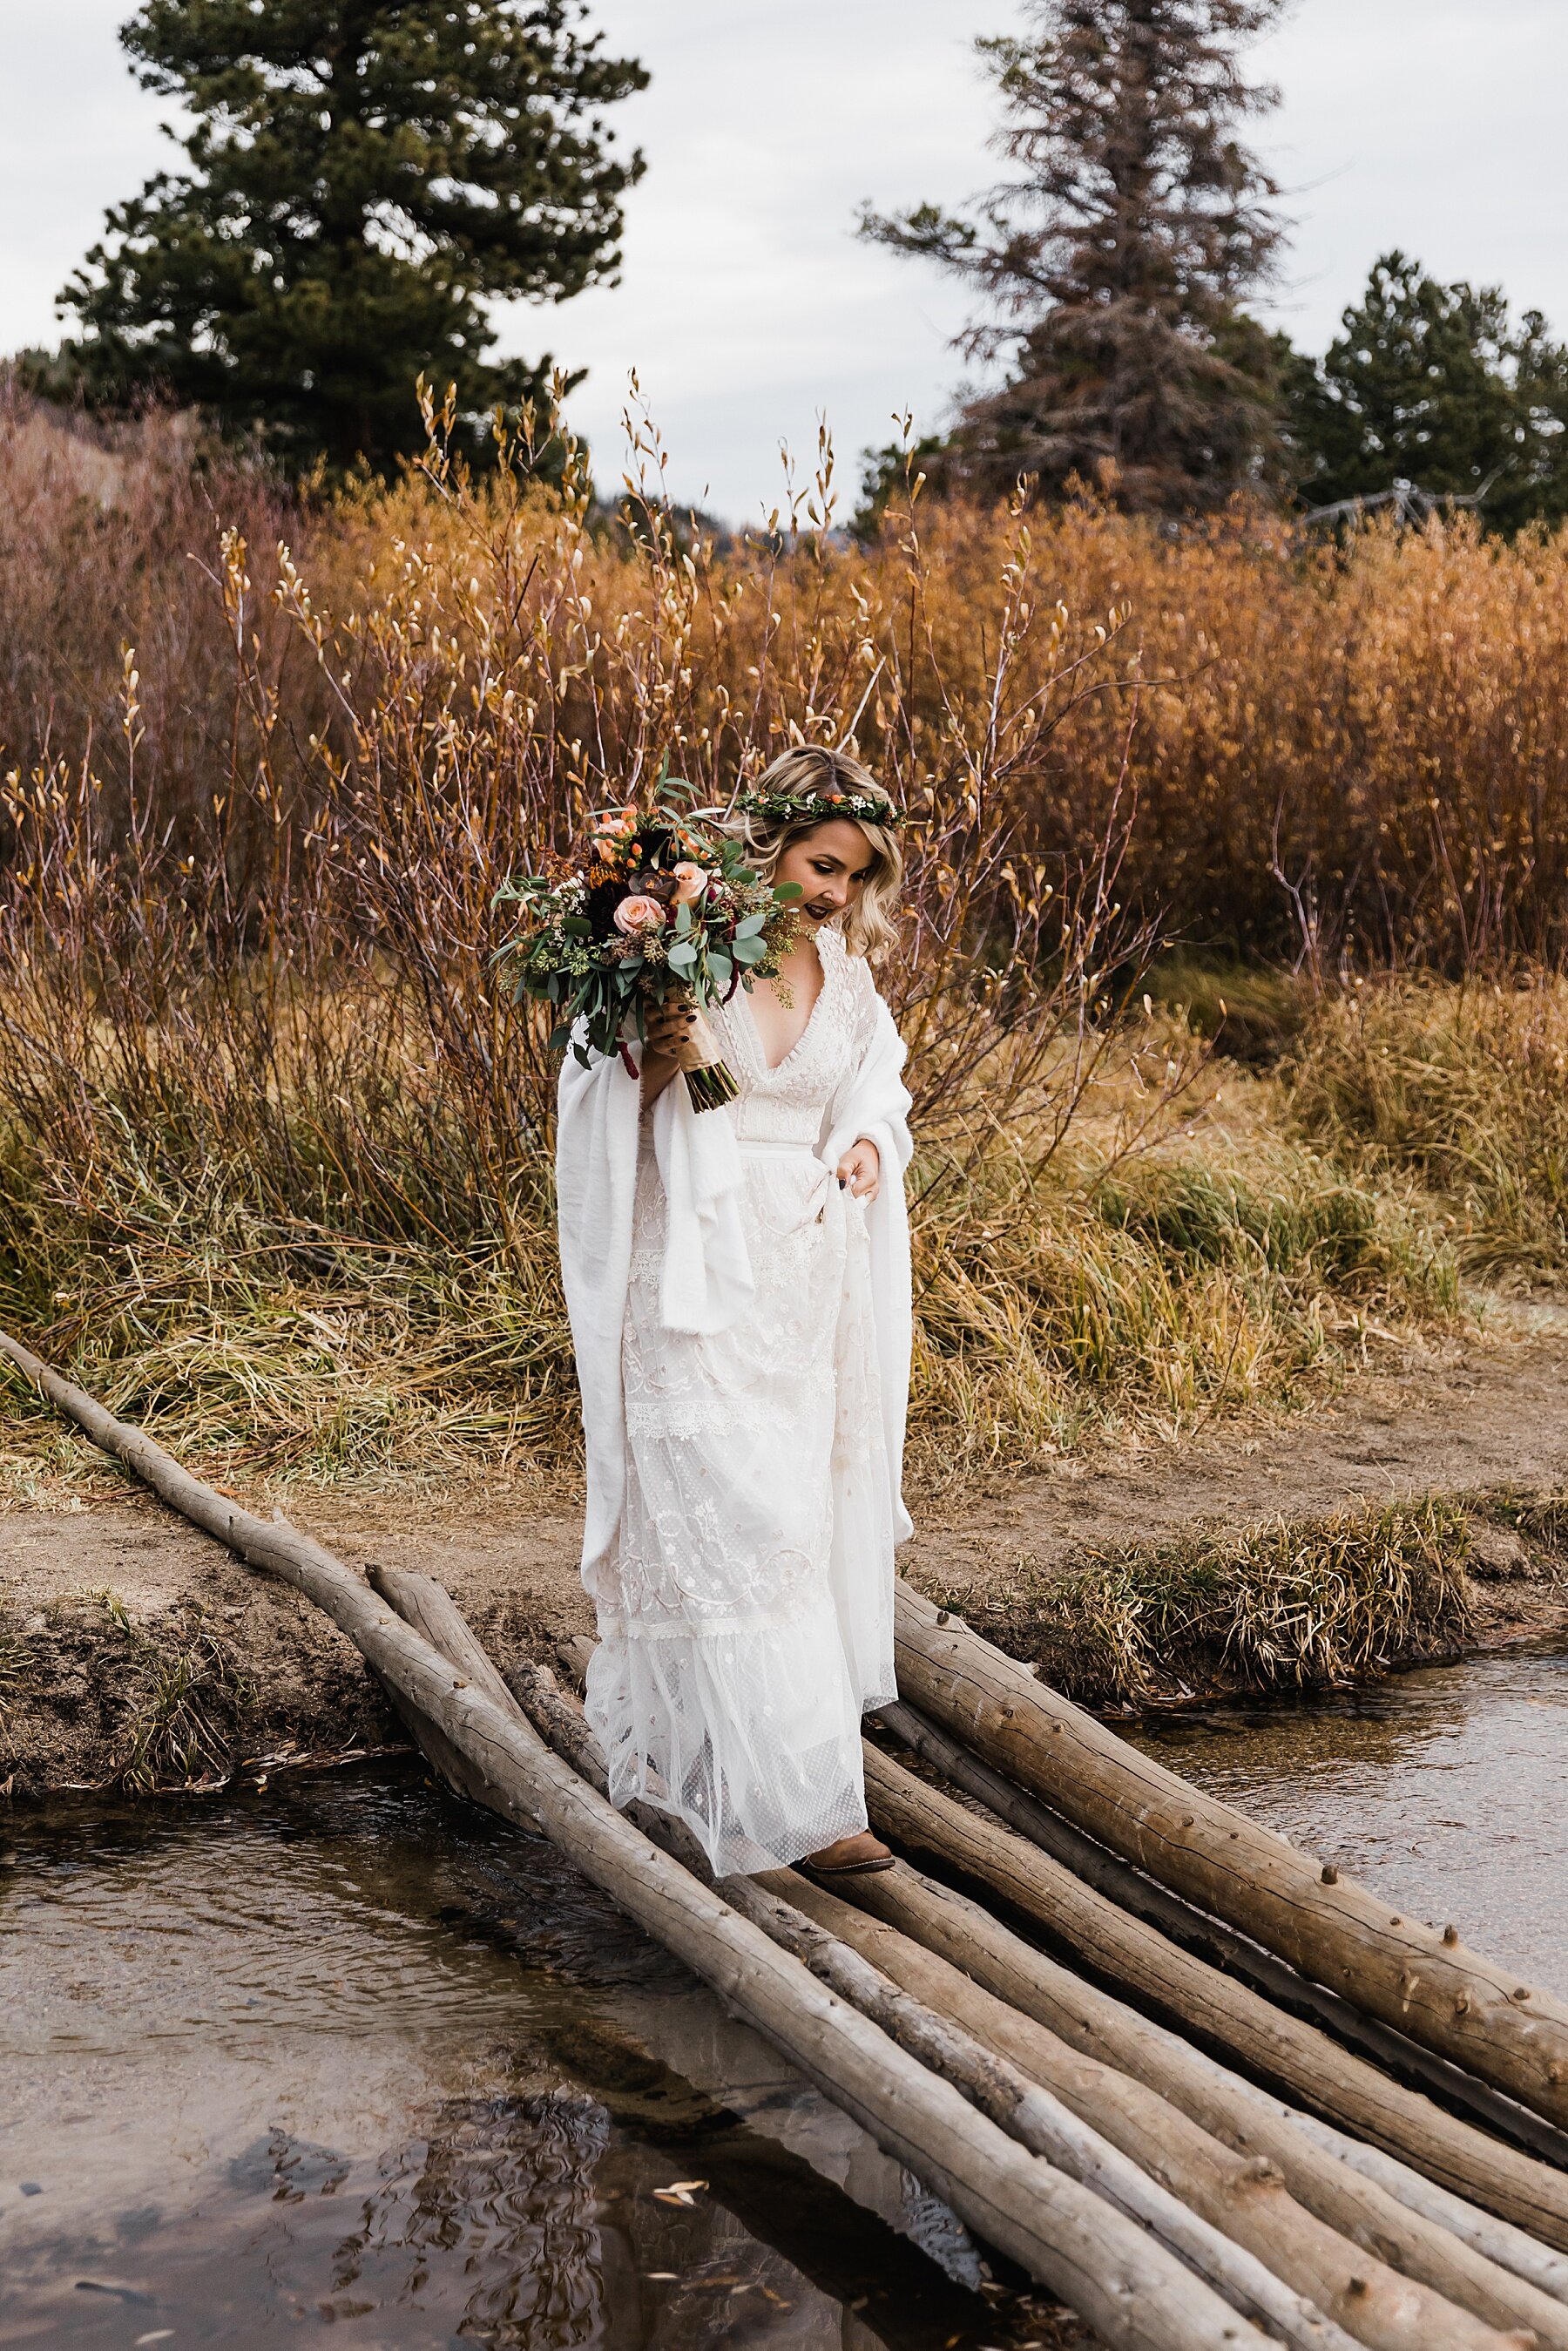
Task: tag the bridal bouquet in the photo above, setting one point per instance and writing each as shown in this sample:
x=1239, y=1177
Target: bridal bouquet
x=655, y=905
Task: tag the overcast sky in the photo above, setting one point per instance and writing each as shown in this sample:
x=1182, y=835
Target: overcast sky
x=747, y=305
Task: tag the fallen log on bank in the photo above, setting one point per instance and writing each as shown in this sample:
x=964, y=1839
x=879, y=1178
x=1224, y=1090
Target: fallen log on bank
x=1207, y=2201
x=1205, y=1938
x=1422, y=1982
x=1315, y=2070
x=1126, y=2284
x=1512, y=2247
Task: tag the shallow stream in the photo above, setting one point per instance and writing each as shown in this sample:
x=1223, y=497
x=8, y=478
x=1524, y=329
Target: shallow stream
x=339, y=2053
x=1446, y=1790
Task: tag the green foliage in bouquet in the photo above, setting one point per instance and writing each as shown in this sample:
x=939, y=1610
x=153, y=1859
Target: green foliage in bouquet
x=658, y=904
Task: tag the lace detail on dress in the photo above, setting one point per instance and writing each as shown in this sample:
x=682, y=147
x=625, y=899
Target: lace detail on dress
x=746, y=1619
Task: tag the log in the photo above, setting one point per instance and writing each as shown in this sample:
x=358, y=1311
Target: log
x=1326, y=2254
x=1193, y=1931
x=530, y=1694
x=1423, y=1983
x=1066, y=2138
x=1095, y=2024
x=1198, y=2234
x=788, y=1908
x=1314, y=2069
x=1244, y=2196
x=1508, y=2247
x=1128, y=2287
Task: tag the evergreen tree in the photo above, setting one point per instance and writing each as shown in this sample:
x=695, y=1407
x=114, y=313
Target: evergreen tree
x=1431, y=387
x=365, y=176
x=1114, y=265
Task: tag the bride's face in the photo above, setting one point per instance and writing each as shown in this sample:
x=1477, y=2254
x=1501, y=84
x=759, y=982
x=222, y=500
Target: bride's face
x=832, y=864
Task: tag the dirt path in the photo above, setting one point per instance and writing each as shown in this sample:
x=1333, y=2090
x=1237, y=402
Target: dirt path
x=1445, y=1422
x=114, y=1617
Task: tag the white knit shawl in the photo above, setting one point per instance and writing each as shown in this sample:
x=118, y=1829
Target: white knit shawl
x=706, y=1280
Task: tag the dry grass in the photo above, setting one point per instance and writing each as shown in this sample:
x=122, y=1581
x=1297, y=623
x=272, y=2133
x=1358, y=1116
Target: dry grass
x=1165, y=1260
x=275, y=1149
x=1289, y=1603
x=179, y=1699
x=1219, y=1267
x=1464, y=1089
x=181, y=1705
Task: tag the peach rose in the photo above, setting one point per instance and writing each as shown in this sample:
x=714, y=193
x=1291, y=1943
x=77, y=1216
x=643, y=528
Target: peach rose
x=690, y=880
x=638, y=913
x=615, y=825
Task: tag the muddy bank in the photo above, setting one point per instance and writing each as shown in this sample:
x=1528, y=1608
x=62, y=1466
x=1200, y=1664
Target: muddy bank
x=134, y=1652
x=134, y=1648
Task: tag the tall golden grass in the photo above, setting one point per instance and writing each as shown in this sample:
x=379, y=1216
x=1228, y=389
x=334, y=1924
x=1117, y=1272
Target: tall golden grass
x=273, y=1147
x=1464, y=1089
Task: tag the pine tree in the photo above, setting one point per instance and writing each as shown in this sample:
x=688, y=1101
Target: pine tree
x=365, y=176
x=1432, y=388
x=1115, y=265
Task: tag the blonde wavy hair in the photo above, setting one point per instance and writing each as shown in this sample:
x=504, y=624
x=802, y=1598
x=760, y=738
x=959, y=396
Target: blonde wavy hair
x=810, y=770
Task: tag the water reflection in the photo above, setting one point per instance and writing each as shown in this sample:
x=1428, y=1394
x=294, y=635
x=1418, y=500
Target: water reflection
x=351, y=2055
x=509, y=2185
x=1446, y=1790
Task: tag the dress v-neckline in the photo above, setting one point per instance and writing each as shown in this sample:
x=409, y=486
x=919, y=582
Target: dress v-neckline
x=771, y=1069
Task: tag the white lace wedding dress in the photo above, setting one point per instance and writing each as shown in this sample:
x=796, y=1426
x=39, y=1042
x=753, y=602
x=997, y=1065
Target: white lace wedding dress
x=745, y=1607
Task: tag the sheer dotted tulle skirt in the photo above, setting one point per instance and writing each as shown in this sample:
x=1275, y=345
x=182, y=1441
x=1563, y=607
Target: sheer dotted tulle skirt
x=747, y=1619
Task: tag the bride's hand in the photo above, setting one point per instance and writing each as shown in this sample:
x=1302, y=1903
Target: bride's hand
x=667, y=1025
x=666, y=1028
x=861, y=1169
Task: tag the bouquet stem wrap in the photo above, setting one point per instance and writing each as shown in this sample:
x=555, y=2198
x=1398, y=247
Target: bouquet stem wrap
x=709, y=1079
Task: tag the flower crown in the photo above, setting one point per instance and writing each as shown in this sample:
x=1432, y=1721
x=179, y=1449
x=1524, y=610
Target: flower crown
x=819, y=808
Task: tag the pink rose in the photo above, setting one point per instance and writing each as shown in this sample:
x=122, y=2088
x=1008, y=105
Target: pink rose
x=638, y=913
x=690, y=880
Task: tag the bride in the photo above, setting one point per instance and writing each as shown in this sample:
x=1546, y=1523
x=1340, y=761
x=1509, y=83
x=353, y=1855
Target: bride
x=738, y=1283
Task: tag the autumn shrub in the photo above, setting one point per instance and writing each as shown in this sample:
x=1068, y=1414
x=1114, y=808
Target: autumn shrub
x=274, y=1142
x=1340, y=752
x=108, y=544
x=274, y=1145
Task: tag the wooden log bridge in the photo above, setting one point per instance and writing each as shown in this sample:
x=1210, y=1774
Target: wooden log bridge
x=1423, y=1980
x=1158, y=2183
